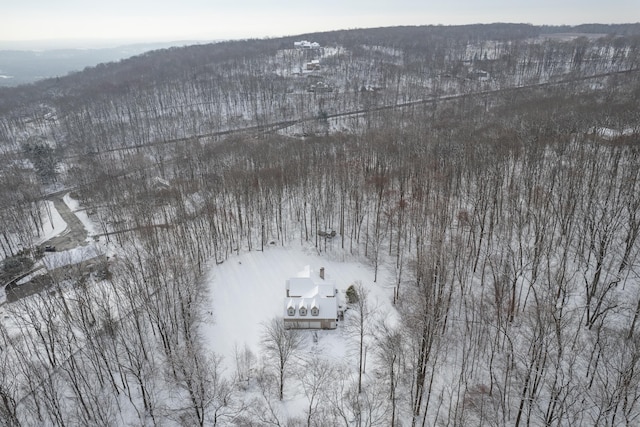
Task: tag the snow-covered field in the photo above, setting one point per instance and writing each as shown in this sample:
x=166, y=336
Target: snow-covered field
x=249, y=290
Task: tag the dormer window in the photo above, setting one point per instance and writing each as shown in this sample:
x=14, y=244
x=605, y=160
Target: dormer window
x=291, y=308
x=303, y=311
x=314, y=308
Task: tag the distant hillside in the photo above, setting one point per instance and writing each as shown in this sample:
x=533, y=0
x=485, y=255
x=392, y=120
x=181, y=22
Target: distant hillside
x=428, y=51
x=19, y=66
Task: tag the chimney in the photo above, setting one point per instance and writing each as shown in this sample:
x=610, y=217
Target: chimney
x=322, y=273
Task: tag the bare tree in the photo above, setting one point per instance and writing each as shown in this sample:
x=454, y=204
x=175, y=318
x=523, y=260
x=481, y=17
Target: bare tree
x=281, y=346
x=360, y=326
x=317, y=376
x=245, y=365
x=390, y=353
x=8, y=382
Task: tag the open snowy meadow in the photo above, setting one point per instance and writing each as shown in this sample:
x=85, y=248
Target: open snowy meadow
x=248, y=290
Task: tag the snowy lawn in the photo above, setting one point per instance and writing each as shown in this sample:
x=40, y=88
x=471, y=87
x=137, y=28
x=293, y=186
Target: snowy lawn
x=248, y=290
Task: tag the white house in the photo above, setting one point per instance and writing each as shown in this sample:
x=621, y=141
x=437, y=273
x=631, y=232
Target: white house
x=304, y=44
x=311, y=302
x=314, y=65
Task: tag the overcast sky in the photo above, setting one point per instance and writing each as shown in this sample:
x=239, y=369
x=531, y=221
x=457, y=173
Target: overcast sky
x=163, y=20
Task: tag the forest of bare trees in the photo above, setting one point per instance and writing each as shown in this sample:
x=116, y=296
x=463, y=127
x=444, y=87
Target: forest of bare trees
x=509, y=218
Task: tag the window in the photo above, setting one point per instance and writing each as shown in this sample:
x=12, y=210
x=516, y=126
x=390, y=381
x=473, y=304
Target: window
x=291, y=311
x=315, y=311
x=303, y=311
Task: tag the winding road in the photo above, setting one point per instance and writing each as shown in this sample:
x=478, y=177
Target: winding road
x=74, y=235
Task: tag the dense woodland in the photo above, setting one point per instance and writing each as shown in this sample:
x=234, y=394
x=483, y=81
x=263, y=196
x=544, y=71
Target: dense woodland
x=494, y=168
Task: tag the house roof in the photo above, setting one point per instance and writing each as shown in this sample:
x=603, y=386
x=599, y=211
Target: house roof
x=308, y=290
x=327, y=308
x=306, y=44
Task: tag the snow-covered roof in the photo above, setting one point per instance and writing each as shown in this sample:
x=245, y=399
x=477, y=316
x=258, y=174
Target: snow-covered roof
x=327, y=308
x=306, y=44
x=309, y=290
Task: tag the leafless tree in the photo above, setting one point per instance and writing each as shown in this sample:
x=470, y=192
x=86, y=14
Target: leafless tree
x=359, y=325
x=281, y=347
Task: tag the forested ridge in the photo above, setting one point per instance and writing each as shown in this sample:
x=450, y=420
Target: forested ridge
x=495, y=170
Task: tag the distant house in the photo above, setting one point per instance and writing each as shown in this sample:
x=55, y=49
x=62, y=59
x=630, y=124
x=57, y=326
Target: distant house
x=310, y=302
x=314, y=65
x=303, y=44
x=322, y=87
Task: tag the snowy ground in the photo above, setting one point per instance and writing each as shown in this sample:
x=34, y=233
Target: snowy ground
x=73, y=256
x=81, y=253
x=74, y=205
x=53, y=225
x=608, y=133
x=248, y=290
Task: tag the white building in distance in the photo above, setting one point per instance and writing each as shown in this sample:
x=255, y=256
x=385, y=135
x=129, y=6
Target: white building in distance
x=303, y=44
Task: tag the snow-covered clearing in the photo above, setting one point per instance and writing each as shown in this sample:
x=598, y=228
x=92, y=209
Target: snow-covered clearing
x=249, y=290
